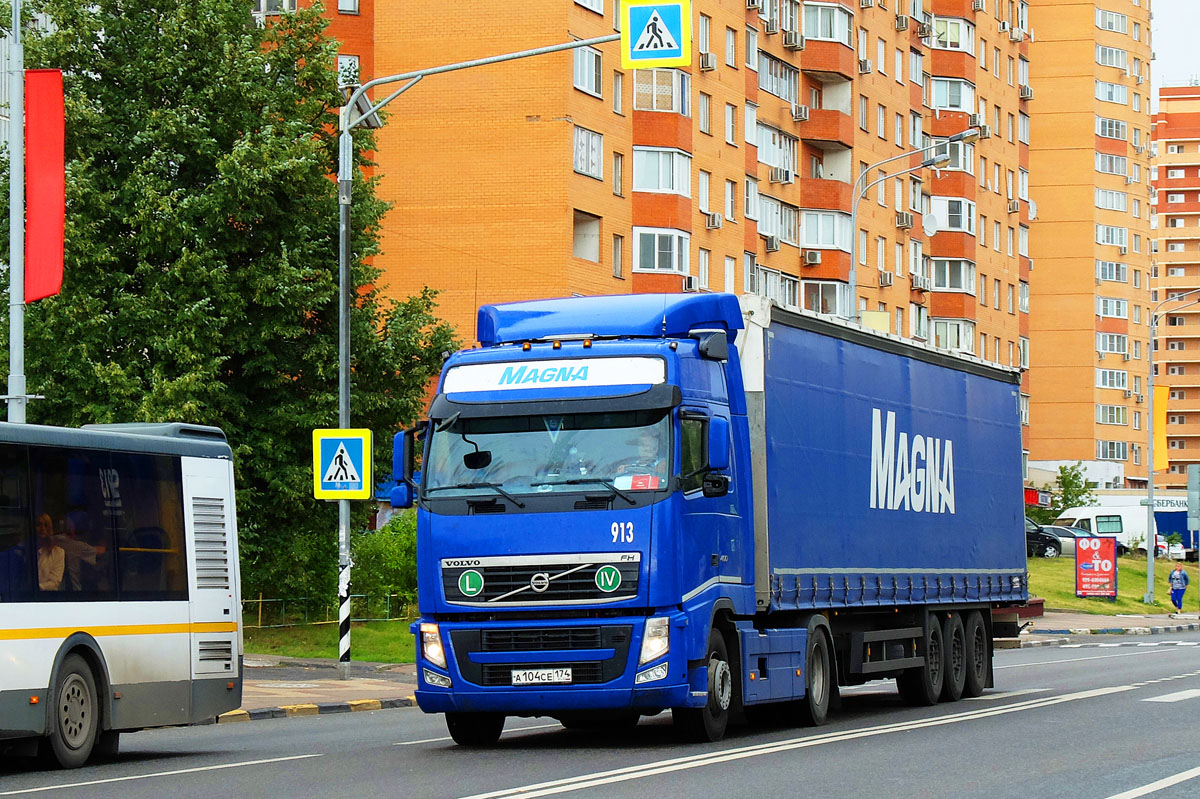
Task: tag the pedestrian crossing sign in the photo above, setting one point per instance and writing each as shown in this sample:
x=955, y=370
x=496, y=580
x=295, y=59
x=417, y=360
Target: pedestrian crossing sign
x=656, y=34
x=342, y=464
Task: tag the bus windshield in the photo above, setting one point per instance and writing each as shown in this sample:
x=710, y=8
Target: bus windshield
x=627, y=451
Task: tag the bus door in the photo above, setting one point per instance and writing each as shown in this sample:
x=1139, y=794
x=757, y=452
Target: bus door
x=212, y=566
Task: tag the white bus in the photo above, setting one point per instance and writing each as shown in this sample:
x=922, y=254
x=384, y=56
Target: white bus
x=119, y=600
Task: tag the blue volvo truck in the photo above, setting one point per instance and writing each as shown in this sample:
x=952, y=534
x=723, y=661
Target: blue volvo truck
x=637, y=503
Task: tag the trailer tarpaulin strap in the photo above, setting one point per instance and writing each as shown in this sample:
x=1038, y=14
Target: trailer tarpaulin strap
x=45, y=184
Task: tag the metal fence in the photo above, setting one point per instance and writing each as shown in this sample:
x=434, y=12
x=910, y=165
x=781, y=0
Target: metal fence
x=294, y=611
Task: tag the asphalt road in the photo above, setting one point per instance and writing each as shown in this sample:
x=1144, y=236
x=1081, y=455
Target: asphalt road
x=1113, y=720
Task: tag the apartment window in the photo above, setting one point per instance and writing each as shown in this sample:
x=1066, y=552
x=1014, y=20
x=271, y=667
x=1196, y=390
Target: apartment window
x=1112, y=414
x=618, y=174
x=777, y=78
x=825, y=296
x=1111, y=128
x=1112, y=164
x=1023, y=127
x=660, y=250
x=954, y=34
x=1024, y=297
x=586, y=236
x=1112, y=271
x=1112, y=307
x=1024, y=398
x=952, y=94
x=1111, y=21
x=618, y=255
x=587, y=70
x=750, y=211
x=1012, y=298
x=996, y=236
x=1112, y=92
x=916, y=67
x=663, y=171
x=731, y=200
x=826, y=230
x=702, y=188
x=589, y=153
x=661, y=90
x=954, y=275
x=983, y=54
x=1111, y=57
x=1112, y=450
x=1108, y=234
x=899, y=67
x=618, y=94
x=881, y=56
x=751, y=48
x=702, y=266
x=705, y=123
x=1023, y=185
x=1174, y=174
x=1112, y=200
x=958, y=214
x=1177, y=418
x=704, y=33
x=592, y=5
x=829, y=22
x=1174, y=149
x=776, y=148
x=996, y=293
x=899, y=130
x=1174, y=246
x=954, y=334
x=778, y=219
x=983, y=284
x=347, y=6
x=750, y=120
x=731, y=124
x=1112, y=378
x=863, y=105
x=730, y=266
x=1112, y=342
x=1175, y=198
x=881, y=122
x=1176, y=369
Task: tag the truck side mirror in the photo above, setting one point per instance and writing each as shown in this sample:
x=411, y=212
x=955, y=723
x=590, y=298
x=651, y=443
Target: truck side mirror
x=714, y=346
x=401, y=496
x=403, y=462
x=718, y=444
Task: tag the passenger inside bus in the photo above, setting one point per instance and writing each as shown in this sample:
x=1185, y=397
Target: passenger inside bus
x=83, y=573
x=51, y=558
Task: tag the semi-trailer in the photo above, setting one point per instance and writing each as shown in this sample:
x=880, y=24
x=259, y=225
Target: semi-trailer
x=712, y=505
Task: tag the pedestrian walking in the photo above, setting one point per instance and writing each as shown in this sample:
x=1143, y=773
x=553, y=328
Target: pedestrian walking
x=1178, y=580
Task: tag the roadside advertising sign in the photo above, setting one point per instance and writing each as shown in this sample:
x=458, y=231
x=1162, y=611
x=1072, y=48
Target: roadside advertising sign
x=1096, y=567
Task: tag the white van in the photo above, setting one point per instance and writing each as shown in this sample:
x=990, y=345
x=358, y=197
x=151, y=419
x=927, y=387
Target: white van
x=1127, y=523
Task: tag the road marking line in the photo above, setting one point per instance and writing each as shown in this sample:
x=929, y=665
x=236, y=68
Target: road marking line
x=1178, y=696
x=157, y=774
x=1006, y=694
x=1165, y=782
x=1077, y=660
x=712, y=758
x=448, y=738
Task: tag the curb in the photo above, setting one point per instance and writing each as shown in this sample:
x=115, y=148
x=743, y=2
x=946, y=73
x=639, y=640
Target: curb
x=1044, y=642
x=317, y=709
x=1176, y=628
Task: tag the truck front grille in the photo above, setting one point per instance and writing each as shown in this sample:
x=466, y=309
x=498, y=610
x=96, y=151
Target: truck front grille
x=576, y=579
x=609, y=643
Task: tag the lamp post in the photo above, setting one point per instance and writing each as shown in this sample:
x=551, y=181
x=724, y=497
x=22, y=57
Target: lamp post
x=1151, y=537
x=860, y=190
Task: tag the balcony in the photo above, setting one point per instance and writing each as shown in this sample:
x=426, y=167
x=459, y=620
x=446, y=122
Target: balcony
x=826, y=60
x=827, y=129
x=831, y=195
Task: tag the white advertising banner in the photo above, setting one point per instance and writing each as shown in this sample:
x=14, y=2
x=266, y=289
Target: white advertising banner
x=564, y=373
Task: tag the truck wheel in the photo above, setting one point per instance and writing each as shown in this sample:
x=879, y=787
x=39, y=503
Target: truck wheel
x=475, y=729
x=818, y=680
x=703, y=724
x=977, y=655
x=74, y=720
x=923, y=685
x=956, y=658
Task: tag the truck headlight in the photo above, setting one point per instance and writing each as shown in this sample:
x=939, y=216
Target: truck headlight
x=656, y=641
x=431, y=645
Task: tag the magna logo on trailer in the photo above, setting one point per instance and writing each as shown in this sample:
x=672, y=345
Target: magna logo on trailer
x=909, y=473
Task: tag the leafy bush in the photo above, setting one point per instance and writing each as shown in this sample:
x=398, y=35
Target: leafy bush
x=385, y=561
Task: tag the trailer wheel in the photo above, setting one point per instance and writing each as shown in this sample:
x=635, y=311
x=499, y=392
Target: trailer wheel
x=956, y=658
x=818, y=680
x=475, y=729
x=923, y=685
x=977, y=654
x=75, y=717
x=708, y=723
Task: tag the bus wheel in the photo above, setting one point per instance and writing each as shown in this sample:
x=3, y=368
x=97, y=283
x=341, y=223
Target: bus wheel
x=923, y=685
x=475, y=729
x=956, y=658
x=977, y=655
x=701, y=724
x=75, y=717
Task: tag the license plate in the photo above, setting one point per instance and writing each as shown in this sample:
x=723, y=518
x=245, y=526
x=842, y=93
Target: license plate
x=540, y=676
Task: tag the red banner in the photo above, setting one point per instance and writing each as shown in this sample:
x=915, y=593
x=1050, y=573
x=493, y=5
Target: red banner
x=45, y=183
x=1096, y=566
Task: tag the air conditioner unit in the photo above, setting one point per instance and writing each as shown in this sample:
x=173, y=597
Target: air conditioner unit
x=779, y=174
x=985, y=131
x=1125, y=356
x=1100, y=356
x=1014, y=206
x=690, y=283
x=979, y=5
x=713, y=221
x=885, y=279
x=792, y=40
x=866, y=3
x=1123, y=250
x=924, y=30
x=1129, y=180
x=799, y=113
x=975, y=120
x=1141, y=397
x=812, y=257
x=904, y=220
x=1141, y=79
x=1139, y=149
x=864, y=66
x=1026, y=92
x=708, y=62
x=921, y=283
x=771, y=26
x=1017, y=35
x=1003, y=26
x=901, y=22
x=771, y=243
x=754, y=5
x=1126, y=394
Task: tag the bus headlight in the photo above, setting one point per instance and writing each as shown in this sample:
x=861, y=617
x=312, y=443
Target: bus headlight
x=656, y=641
x=431, y=645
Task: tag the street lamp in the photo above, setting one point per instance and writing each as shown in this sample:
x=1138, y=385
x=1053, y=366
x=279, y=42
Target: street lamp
x=860, y=191
x=1151, y=537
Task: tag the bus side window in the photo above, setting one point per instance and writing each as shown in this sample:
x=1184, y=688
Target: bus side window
x=68, y=489
x=16, y=548
x=147, y=510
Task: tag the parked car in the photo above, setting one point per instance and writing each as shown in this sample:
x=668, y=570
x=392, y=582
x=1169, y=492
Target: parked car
x=1066, y=536
x=1038, y=543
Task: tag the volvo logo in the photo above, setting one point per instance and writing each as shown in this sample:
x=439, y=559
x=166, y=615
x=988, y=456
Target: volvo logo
x=539, y=582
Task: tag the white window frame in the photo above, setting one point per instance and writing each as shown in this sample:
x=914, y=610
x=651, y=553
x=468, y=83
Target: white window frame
x=589, y=71
x=675, y=244
x=588, y=152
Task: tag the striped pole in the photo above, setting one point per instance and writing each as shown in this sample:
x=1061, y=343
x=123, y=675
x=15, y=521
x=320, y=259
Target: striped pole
x=344, y=564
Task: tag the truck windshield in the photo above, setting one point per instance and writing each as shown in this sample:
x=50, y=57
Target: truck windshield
x=595, y=452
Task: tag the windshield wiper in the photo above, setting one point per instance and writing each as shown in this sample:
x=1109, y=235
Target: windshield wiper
x=574, y=481
x=494, y=486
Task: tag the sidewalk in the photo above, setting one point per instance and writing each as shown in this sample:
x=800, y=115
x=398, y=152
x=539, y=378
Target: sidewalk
x=277, y=687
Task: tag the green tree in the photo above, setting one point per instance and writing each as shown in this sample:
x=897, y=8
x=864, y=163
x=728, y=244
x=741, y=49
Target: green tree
x=1070, y=489
x=201, y=267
